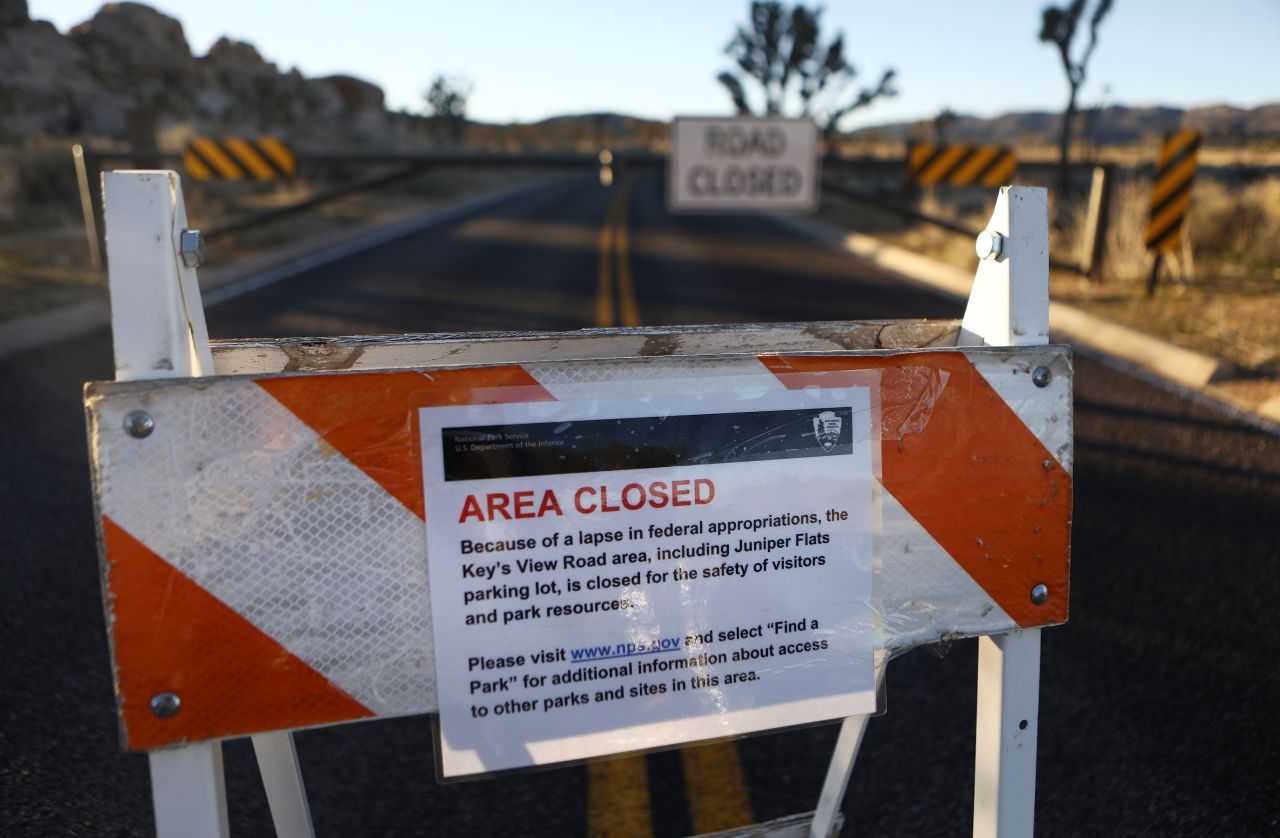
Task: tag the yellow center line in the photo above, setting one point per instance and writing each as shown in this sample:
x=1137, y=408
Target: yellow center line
x=714, y=788
x=618, y=789
x=612, y=242
x=604, y=282
x=790, y=257
x=618, y=799
x=626, y=289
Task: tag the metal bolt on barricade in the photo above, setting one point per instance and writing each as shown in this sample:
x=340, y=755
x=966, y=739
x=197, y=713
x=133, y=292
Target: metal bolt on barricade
x=165, y=706
x=139, y=424
x=1040, y=594
x=989, y=245
x=191, y=245
x=1041, y=376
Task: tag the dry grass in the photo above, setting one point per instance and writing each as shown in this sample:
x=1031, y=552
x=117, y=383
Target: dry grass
x=1136, y=154
x=1237, y=319
x=44, y=271
x=1238, y=226
x=44, y=257
x=1220, y=293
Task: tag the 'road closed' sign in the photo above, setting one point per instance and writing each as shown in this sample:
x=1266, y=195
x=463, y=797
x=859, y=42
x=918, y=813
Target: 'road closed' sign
x=743, y=164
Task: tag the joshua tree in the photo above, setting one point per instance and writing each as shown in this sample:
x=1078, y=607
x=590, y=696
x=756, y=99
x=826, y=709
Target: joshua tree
x=447, y=105
x=944, y=124
x=1059, y=28
x=782, y=50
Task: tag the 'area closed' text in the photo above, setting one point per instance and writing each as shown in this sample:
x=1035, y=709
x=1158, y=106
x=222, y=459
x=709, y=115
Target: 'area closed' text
x=588, y=500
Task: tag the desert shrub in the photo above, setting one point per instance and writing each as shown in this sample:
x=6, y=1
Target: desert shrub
x=40, y=187
x=1127, y=258
x=1237, y=223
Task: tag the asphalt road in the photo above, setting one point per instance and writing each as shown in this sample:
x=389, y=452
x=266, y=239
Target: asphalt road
x=1160, y=698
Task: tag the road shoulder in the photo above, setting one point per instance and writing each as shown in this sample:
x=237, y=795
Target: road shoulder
x=1192, y=373
x=224, y=282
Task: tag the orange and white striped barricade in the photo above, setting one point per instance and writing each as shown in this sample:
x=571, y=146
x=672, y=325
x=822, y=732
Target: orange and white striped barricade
x=271, y=495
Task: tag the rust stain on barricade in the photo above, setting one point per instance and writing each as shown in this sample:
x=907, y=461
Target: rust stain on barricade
x=655, y=345
x=321, y=357
x=846, y=339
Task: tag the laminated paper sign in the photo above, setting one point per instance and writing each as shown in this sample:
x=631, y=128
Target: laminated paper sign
x=623, y=574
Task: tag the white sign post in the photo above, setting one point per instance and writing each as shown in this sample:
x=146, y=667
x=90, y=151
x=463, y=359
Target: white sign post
x=743, y=164
x=617, y=575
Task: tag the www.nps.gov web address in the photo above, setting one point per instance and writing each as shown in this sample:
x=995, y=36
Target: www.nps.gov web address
x=625, y=650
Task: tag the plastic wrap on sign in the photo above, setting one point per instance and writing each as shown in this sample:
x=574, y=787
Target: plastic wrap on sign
x=568, y=559
x=625, y=574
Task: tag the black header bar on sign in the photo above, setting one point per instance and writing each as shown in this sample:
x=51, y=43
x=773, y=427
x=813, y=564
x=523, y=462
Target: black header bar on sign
x=546, y=448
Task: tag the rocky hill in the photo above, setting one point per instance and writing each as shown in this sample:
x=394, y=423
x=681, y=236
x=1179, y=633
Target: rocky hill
x=131, y=61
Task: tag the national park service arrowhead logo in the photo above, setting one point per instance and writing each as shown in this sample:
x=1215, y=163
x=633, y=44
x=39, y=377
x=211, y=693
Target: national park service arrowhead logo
x=826, y=427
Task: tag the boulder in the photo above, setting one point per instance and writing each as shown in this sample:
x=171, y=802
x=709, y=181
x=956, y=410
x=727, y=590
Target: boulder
x=227, y=55
x=131, y=36
x=355, y=94
x=48, y=86
x=130, y=61
x=13, y=12
x=136, y=51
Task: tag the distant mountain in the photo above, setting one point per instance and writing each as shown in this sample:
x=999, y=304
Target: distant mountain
x=1222, y=125
x=1115, y=125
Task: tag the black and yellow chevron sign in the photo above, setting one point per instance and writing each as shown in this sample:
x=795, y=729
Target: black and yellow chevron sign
x=932, y=164
x=1171, y=197
x=237, y=158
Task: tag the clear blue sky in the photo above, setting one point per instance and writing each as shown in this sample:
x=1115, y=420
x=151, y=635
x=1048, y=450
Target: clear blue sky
x=528, y=60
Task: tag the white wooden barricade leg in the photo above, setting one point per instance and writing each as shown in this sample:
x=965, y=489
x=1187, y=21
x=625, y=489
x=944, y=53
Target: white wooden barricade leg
x=188, y=791
x=838, y=772
x=282, y=777
x=158, y=331
x=1004, y=793
x=1008, y=306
